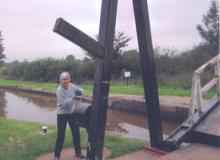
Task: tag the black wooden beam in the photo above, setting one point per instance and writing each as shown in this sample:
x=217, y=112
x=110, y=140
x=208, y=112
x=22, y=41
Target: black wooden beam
x=148, y=71
x=76, y=36
x=101, y=81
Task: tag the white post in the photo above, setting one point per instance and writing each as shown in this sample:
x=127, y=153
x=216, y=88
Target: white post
x=217, y=73
x=199, y=95
x=196, y=97
x=193, y=98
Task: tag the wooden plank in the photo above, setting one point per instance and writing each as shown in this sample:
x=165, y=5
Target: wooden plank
x=148, y=71
x=204, y=66
x=76, y=36
x=102, y=80
x=209, y=85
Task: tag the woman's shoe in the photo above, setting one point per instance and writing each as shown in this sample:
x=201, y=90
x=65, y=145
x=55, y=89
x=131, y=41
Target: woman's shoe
x=57, y=158
x=80, y=155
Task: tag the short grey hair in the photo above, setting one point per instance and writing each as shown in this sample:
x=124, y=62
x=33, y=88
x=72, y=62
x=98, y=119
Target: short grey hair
x=64, y=75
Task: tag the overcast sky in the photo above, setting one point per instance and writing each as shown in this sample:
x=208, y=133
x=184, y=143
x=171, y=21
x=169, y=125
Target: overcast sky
x=27, y=25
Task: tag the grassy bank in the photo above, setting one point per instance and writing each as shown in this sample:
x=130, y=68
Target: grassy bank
x=116, y=88
x=23, y=141
x=29, y=84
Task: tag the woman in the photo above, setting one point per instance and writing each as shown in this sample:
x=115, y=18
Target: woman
x=66, y=93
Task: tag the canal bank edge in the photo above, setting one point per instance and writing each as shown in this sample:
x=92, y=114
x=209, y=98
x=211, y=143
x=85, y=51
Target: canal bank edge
x=172, y=108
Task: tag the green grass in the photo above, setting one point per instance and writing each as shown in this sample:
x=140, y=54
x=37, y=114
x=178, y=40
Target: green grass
x=174, y=91
x=115, y=88
x=118, y=89
x=29, y=84
x=22, y=141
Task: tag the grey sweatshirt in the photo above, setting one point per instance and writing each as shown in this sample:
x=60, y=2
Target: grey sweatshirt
x=65, y=98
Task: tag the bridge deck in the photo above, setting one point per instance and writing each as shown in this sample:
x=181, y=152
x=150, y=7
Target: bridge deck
x=211, y=124
x=208, y=131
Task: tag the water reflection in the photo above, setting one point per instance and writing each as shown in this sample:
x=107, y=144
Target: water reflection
x=46, y=103
x=38, y=108
x=133, y=124
x=2, y=104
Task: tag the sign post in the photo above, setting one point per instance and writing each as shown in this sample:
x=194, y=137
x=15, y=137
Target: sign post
x=127, y=75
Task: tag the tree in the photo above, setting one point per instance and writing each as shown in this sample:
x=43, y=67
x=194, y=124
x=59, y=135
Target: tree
x=2, y=56
x=120, y=41
x=131, y=62
x=209, y=31
x=70, y=57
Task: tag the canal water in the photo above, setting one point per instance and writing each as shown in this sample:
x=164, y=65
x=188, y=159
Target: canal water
x=38, y=108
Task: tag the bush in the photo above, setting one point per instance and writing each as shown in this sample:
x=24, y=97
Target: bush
x=172, y=69
x=47, y=69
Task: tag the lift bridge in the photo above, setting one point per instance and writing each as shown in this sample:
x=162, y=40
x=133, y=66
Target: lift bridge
x=203, y=123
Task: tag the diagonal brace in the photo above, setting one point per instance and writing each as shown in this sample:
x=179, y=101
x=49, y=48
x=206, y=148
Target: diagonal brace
x=76, y=36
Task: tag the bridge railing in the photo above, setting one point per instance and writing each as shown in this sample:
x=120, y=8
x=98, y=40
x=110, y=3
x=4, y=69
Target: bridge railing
x=198, y=90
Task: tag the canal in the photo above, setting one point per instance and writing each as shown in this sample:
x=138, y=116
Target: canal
x=42, y=109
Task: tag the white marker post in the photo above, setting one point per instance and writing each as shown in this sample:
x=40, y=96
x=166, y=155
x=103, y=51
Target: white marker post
x=44, y=129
